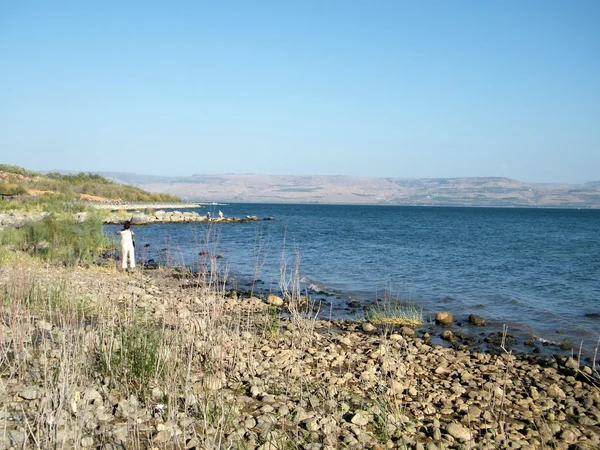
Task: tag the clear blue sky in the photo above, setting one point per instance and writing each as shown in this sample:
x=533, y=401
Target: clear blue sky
x=368, y=88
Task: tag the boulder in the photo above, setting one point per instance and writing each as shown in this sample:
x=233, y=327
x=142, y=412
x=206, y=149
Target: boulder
x=407, y=331
x=139, y=219
x=368, y=327
x=448, y=336
x=476, y=320
x=444, y=318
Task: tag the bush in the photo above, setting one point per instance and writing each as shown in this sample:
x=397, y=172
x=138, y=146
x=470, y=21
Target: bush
x=59, y=239
x=11, y=189
x=17, y=170
x=130, y=356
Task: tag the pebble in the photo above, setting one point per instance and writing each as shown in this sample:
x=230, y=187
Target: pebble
x=331, y=379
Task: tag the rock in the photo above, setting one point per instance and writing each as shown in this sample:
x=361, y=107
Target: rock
x=407, y=332
x=448, y=336
x=92, y=395
x=368, y=327
x=345, y=342
x=162, y=437
x=565, y=345
x=139, y=219
x=474, y=412
x=476, y=320
x=554, y=391
x=571, y=364
x=444, y=318
x=87, y=441
x=397, y=387
x=311, y=424
x=274, y=300
x=361, y=418
x=249, y=423
x=458, y=432
x=30, y=393
x=439, y=370
x=568, y=436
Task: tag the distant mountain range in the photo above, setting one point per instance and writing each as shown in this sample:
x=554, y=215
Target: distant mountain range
x=480, y=191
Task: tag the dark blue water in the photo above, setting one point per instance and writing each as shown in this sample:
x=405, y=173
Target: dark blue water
x=535, y=270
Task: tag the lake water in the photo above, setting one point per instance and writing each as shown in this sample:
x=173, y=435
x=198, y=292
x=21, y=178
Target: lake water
x=535, y=270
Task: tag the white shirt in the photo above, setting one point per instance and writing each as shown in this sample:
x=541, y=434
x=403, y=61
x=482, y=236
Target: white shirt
x=126, y=237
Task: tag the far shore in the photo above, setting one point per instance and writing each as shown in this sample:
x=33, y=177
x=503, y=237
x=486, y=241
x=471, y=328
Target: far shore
x=132, y=206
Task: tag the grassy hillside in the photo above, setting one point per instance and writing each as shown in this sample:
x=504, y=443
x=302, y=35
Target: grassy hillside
x=16, y=180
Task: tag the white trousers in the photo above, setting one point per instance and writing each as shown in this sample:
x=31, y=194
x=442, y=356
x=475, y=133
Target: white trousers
x=127, y=250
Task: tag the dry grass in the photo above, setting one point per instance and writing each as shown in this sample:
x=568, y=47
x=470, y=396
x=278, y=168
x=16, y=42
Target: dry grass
x=392, y=312
x=64, y=343
x=190, y=366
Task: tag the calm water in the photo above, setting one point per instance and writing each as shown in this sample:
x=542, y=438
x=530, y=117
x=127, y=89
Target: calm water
x=535, y=270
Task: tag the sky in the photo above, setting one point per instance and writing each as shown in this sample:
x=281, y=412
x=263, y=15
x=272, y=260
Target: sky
x=380, y=88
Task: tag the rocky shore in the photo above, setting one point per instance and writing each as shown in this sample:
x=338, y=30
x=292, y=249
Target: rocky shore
x=17, y=219
x=161, y=216
x=235, y=371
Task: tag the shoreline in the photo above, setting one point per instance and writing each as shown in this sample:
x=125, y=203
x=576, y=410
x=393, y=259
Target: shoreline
x=132, y=206
x=239, y=373
x=467, y=331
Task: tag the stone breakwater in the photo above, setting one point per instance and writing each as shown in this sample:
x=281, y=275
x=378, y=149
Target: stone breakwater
x=17, y=219
x=259, y=381
x=161, y=216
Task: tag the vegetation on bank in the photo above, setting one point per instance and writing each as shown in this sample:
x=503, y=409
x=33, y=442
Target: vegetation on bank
x=15, y=180
x=60, y=238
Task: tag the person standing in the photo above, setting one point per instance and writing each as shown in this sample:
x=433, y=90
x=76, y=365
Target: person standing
x=127, y=246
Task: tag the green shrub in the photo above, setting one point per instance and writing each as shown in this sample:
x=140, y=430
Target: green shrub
x=11, y=189
x=59, y=239
x=17, y=170
x=130, y=356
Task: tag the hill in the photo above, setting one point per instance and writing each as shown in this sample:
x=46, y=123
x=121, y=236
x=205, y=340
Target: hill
x=480, y=191
x=15, y=180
